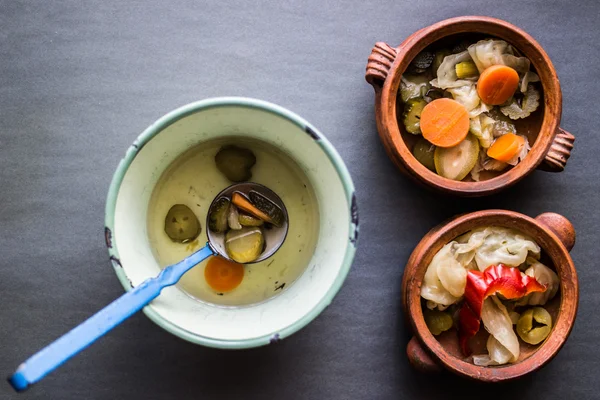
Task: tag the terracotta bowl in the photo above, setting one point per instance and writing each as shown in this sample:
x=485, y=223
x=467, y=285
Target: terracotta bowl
x=555, y=235
x=551, y=144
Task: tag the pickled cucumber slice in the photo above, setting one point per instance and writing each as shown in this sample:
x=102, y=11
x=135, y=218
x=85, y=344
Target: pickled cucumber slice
x=437, y=321
x=249, y=220
x=235, y=163
x=244, y=245
x=268, y=207
x=456, y=162
x=181, y=224
x=412, y=115
x=218, y=214
x=423, y=152
x=534, y=325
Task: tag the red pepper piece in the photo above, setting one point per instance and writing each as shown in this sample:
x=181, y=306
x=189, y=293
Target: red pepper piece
x=496, y=279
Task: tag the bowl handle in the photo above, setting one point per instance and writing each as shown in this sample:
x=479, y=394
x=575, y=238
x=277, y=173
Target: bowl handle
x=380, y=61
x=560, y=226
x=419, y=358
x=559, y=153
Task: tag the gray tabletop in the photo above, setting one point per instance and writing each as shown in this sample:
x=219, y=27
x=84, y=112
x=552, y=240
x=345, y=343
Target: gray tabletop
x=80, y=80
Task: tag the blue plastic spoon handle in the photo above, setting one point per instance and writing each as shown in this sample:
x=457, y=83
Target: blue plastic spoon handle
x=65, y=347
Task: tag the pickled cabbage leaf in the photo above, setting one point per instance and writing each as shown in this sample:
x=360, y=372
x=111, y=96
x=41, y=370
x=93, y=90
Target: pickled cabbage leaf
x=504, y=348
x=468, y=97
x=529, y=77
x=522, y=108
x=486, y=53
x=497, y=245
x=546, y=277
x=485, y=163
x=497, y=354
x=446, y=73
x=482, y=127
x=410, y=86
x=445, y=278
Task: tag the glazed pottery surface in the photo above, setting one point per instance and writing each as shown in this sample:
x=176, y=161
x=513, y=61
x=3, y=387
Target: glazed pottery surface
x=169, y=137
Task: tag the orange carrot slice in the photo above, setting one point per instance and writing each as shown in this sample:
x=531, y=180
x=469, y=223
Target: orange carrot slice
x=506, y=147
x=497, y=84
x=223, y=275
x=445, y=122
x=242, y=202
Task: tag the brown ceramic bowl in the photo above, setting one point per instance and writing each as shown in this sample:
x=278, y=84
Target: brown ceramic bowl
x=555, y=235
x=551, y=144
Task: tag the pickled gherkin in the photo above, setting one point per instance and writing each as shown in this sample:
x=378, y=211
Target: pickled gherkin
x=235, y=163
x=423, y=152
x=218, y=215
x=181, y=224
x=267, y=207
x=437, y=321
x=534, y=325
x=244, y=245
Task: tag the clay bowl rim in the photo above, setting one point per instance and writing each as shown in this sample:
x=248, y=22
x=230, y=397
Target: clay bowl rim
x=550, y=244
x=552, y=94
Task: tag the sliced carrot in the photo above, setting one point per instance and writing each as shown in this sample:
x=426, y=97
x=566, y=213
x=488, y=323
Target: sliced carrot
x=223, y=275
x=445, y=122
x=242, y=202
x=506, y=147
x=497, y=84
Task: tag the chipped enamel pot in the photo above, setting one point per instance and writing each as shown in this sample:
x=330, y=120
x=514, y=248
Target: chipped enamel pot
x=165, y=140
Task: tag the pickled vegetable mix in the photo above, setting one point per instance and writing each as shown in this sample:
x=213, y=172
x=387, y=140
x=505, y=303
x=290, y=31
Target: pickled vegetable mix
x=478, y=278
x=464, y=101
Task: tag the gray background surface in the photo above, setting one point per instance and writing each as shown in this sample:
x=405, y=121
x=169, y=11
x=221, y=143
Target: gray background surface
x=79, y=81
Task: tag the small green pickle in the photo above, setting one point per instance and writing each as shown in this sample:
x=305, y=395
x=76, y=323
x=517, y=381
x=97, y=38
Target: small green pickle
x=437, y=321
x=534, y=325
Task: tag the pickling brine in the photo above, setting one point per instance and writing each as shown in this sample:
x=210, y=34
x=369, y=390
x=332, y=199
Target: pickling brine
x=189, y=185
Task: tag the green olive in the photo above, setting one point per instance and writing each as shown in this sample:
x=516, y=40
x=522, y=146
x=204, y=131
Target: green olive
x=534, y=325
x=268, y=207
x=437, y=321
x=181, y=224
x=217, y=215
x=235, y=163
x=423, y=152
x=249, y=220
x=244, y=245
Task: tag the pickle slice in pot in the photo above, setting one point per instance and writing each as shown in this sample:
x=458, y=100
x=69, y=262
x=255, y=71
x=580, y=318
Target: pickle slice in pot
x=218, y=214
x=456, y=162
x=534, y=325
x=249, y=220
x=235, y=163
x=181, y=224
x=244, y=245
x=423, y=152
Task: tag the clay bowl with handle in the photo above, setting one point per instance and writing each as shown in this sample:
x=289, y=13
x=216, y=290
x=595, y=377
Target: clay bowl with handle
x=429, y=353
x=551, y=145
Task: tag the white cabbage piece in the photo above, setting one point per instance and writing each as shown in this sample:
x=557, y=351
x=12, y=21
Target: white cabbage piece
x=496, y=320
x=445, y=279
x=529, y=77
x=410, y=86
x=446, y=73
x=546, y=277
x=486, y=53
x=494, y=245
x=467, y=96
x=482, y=127
x=497, y=354
x=485, y=163
x=521, y=154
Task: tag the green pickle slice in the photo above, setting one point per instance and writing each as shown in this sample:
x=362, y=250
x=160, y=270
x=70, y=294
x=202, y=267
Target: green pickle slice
x=437, y=321
x=412, y=115
x=244, y=245
x=268, y=207
x=217, y=215
x=456, y=162
x=423, y=152
x=181, y=224
x=534, y=325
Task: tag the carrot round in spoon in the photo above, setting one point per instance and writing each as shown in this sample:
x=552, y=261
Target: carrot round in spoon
x=445, y=122
x=497, y=84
